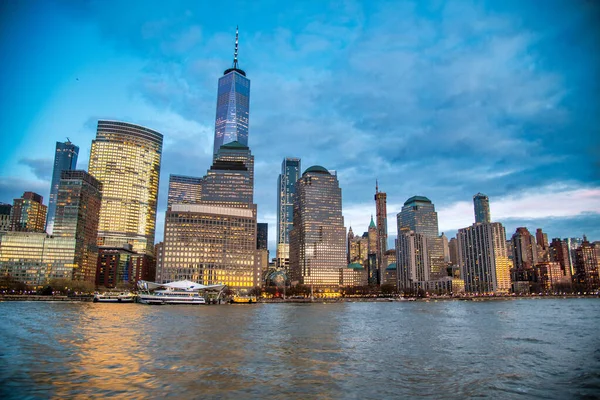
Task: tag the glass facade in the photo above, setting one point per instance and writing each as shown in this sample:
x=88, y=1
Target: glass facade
x=65, y=158
x=233, y=109
x=262, y=236
x=286, y=186
x=318, y=236
x=184, y=190
x=481, y=204
x=35, y=258
x=28, y=214
x=78, y=203
x=483, y=260
x=5, y=217
x=125, y=158
x=231, y=177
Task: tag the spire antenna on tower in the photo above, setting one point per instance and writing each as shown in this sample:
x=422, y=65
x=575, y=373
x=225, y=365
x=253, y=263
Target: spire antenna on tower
x=235, y=53
x=376, y=186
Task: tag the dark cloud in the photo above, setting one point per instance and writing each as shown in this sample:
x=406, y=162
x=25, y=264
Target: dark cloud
x=41, y=167
x=13, y=188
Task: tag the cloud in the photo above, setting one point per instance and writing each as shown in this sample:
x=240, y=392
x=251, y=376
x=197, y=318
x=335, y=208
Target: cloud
x=41, y=167
x=13, y=187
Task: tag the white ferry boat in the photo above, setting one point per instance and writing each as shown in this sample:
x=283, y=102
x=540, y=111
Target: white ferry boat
x=180, y=292
x=114, y=297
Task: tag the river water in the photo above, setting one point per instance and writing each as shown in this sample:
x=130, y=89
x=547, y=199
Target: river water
x=521, y=348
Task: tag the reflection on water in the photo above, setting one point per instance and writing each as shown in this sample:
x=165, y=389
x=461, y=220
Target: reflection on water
x=513, y=348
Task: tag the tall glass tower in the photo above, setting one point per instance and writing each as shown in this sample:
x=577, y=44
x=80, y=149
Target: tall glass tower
x=481, y=204
x=125, y=158
x=65, y=159
x=233, y=105
x=317, y=240
x=286, y=186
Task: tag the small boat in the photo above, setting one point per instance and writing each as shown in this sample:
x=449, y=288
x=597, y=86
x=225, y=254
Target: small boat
x=243, y=300
x=114, y=297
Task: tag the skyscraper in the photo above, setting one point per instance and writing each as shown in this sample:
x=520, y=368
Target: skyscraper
x=524, y=259
x=65, y=158
x=411, y=260
x=77, y=209
x=125, y=158
x=262, y=236
x=418, y=215
x=317, y=240
x=483, y=260
x=481, y=204
x=382, y=235
x=184, y=190
x=231, y=177
x=286, y=186
x=28, y=214
x=233, y=105
x=586, y=266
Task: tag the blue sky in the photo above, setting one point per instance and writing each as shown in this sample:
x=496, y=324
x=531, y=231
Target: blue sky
x=434, y=98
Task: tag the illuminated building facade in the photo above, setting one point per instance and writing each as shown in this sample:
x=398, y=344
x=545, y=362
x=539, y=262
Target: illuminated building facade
x=159, y=253
x=559, y=252
x=353, y=275
x=390, y=275
x=77, y=209
x=484, y=264
x=481, y=204
x=317, y=239
x=525, y=257
x=233, y=106
x=358, y=248
x=211, y=244
x=382, y=235
x=586, y=266
x=286, y=186
x=120, y=266
x=125, y=158
x=184, y=190
x=35, y=257
x=28, y=214
x=65, y=158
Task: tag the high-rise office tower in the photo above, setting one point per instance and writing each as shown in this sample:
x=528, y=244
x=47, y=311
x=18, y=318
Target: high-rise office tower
x=317, y=239
x=481, y=204
x=65, y=158
x=586, y=266
x=412, y=262
x=358, y=248
x=286, y=187
x=184, y=190
x=5, y=217
x=483, y=261
x=382, y=235
x=231, y=177
x=233, y=105
x=125, y=158
x=541, y=238
x=215, y=240
x=262, y=236
x=77, y=209
x=418, y=215
x=28, y=214
x=559, y=252
x=524, y=249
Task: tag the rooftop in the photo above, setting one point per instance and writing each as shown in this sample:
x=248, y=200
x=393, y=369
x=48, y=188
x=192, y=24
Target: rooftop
x=317, y=169
x=417, y=199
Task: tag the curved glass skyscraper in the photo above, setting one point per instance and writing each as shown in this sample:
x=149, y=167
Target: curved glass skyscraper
x=125, y=158
x=233, y=106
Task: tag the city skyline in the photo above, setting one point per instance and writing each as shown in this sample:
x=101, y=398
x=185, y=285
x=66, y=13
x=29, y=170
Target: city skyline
x=162, y=67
